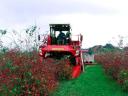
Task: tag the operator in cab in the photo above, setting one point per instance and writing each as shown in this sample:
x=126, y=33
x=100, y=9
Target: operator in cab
x=61, y=38
x=68, y=39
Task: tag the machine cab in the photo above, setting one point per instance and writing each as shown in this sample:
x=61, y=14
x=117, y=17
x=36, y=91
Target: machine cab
x=60, y=34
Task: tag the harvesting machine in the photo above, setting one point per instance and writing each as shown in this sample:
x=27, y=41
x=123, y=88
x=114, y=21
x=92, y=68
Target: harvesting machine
x=60, y=43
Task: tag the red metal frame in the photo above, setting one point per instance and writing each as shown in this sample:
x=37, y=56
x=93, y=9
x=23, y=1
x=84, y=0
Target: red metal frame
x=74, y=47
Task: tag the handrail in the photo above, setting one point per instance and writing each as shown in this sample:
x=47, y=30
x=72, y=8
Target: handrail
x=82, y=61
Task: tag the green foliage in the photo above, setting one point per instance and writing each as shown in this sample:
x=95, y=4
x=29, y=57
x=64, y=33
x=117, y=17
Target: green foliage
x=13, y=69
x=3, y=32
x=4, y=90
x=103, y=49
x=90, y=51
x=123, y=74
x=109, y=46
x=124, y=77
x=31, y=30
x=64, y=74
x=125, y=85
x=4, y=50
x=9, y=64
x=16, y=90
x=111, y=71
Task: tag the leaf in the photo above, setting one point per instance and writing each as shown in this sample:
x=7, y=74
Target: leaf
x=3, y=32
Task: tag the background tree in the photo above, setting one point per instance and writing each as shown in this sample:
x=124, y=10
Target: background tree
x=2, y=32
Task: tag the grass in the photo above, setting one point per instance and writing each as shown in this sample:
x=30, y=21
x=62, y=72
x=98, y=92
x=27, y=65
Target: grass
x=93, y=82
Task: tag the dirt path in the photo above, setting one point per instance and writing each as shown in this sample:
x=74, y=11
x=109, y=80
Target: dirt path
x=93, y=82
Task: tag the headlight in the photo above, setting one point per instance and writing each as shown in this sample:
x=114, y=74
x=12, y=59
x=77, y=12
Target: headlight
x=40, y=51
x=77, y=52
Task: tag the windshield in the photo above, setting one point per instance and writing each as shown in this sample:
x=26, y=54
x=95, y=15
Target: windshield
x=58, y=32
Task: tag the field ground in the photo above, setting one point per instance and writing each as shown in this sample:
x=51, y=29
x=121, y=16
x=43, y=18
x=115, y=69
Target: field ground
x=93, y=82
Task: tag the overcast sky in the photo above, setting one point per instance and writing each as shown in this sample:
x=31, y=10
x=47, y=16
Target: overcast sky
x=100, y=21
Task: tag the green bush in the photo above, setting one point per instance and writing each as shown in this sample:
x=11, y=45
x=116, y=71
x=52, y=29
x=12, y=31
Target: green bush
x=64, y=74
x=63, y=71
x=125, y=85
x=123, y=74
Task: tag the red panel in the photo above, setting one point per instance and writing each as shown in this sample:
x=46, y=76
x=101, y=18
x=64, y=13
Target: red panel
x=61, y=48
x=49, y=40
x=76, y=71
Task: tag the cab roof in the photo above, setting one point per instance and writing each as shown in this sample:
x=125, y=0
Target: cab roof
x=60, y=27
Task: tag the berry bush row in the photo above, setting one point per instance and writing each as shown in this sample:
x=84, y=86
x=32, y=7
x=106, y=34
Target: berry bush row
x=22, y=74
x=116, y=65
